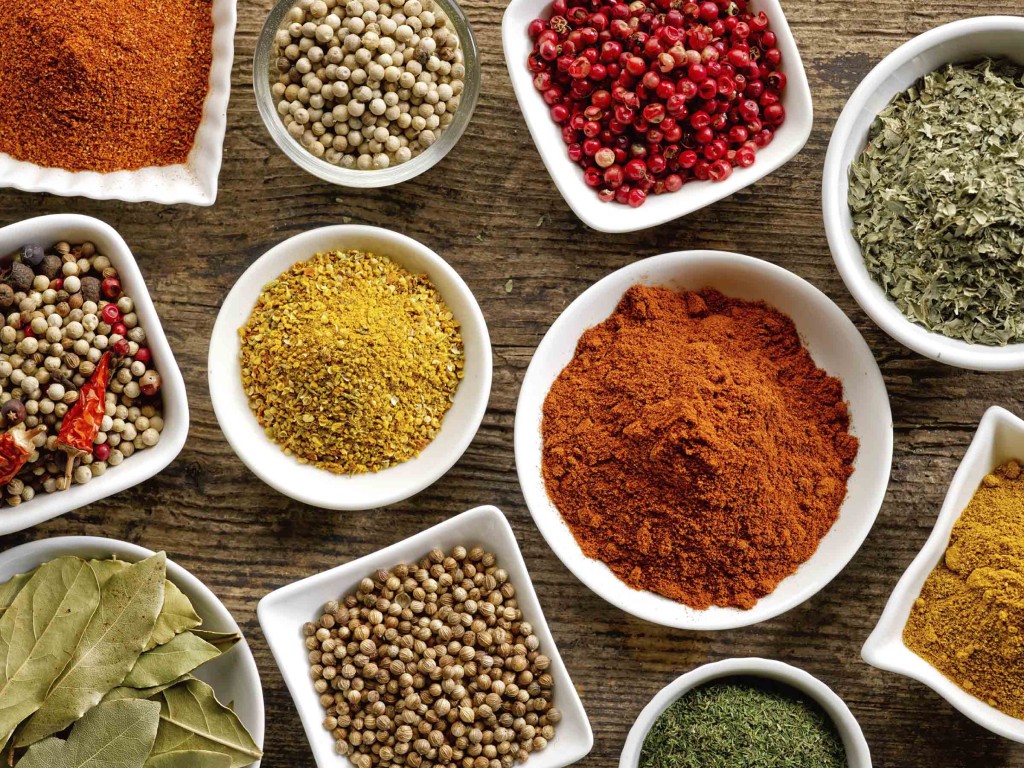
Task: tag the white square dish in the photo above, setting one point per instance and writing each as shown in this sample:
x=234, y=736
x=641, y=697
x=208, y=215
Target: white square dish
x=613, y=217
x=283, y=612
x=1000, y=438
x=193, y=182
x=48, y=230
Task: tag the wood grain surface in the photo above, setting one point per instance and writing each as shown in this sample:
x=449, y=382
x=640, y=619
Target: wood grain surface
x=491, y=210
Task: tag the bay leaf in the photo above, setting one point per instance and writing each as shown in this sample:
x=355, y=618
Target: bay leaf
x=122, y=624
x=180, y=655
x=191, y=718
x=116, y=734
x=39, y=634
x=105, y=569
x=189, y=758
x=124, y=692
x=222, y=640
x=10, y=589
x=176, y=615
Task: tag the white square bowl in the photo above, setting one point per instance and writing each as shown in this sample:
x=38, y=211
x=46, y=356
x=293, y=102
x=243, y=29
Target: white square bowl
x=1000, y=438
x=193, y=182
x=282, y=614
x=47, y=230
x=614, y=217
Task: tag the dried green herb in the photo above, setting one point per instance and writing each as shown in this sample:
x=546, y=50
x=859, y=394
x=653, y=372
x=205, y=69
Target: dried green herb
x=738, y=723
x=176, y=615
x=118, y=734
x=937, y=201
x=167, y=662
x=112, y=642
x=39, y=634
x=192, y=758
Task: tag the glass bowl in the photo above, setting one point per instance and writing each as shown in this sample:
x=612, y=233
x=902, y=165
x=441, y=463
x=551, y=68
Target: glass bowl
x=347, y=177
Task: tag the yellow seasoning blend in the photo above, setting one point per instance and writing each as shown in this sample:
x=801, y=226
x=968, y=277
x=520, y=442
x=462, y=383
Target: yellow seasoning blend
x=968, y=620
x=350, y=362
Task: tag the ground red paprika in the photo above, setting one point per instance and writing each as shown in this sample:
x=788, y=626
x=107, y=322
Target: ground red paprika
x=102, y=85
x=693, y=446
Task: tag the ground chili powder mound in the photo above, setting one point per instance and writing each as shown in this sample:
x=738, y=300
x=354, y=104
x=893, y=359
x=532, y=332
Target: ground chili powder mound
x=693, y=446
x=103, y=85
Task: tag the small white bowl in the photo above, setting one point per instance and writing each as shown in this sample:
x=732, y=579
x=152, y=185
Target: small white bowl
x=857, y=753
x=193, y=182
x=283, y=612
x=72, y=228
x=614, y=217
x=305, y=482
x=836, y=346
x=1000, y=438
x=960, y=41
x=233, y=676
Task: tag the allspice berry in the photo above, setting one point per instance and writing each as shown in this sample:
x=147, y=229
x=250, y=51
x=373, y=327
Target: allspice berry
x=13, y=412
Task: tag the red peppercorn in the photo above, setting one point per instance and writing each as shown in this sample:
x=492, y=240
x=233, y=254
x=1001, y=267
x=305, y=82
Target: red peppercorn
x=119, y=328
x=144, y=355
x=121, y=348
x=110, y=313
x=110, y=287
x=101, y=452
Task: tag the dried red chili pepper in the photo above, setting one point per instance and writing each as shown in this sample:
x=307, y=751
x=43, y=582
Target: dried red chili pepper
x=81, y=424
x=15, y=448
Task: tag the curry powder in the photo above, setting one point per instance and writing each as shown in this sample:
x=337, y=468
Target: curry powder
x=967, y=620
x=350, y=362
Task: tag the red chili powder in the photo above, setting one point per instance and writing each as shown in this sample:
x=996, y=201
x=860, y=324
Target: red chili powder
x=693, y=446
x=103, y=85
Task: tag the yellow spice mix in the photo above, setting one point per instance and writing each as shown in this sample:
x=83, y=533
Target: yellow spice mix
x=350, y=362
x=968, y=620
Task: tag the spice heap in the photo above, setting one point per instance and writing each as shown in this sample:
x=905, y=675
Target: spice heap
x=936, y=202
x=968, y=618
x=738, y=724
x=115, y=665
x=104, y=85
x=76, y=381
x=364, y=84
x=350, y=362
x=694, y=447
x=651, y=95
x=432, y=664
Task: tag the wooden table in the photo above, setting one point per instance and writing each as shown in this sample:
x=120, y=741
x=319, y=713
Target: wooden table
x=492, y=211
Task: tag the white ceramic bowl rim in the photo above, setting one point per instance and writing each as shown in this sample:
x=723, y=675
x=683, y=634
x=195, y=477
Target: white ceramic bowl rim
x=857, y=752
x=319, y=487
x=659, y=209
x=999, y=438
x=851, y=129
x=27, y=556
x=395, y=174
x=142, y=465
x=864, y=389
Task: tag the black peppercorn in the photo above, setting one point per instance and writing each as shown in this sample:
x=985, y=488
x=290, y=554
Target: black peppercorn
x=51, y=265
x=6, y=295
x=21, y=277
x=33, y=254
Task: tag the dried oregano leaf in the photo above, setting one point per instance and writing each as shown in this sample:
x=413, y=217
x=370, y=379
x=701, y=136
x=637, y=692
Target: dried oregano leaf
x=116, y=734
x=167, y=662
x=937, y=201
x=122, y=624
x=39, y=633
x=192, y=719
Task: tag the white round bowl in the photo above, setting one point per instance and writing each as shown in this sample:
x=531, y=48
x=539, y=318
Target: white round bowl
x=142, y=465
x=833, y=342
x=960, y=41
x=857, y=753
x=305, y=482
x=233, y=676
x=567, y=176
